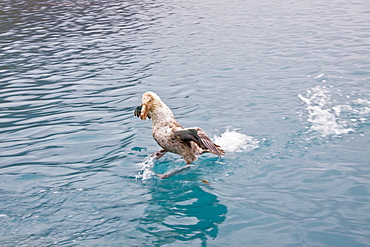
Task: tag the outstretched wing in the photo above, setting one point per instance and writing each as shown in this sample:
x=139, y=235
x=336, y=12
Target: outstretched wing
x=213, y=148
x=200, y=137
x=189, y=135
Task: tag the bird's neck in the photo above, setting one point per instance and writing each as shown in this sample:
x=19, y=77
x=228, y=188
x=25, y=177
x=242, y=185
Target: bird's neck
x=162, y=116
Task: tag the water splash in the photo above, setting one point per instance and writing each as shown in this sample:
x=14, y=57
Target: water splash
x=233, y=141
x=230, y=141
x=323, y=116
x=146, y=168
x=357, y=110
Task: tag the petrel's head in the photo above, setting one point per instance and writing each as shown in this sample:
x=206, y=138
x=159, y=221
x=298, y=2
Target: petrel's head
x=148, y=102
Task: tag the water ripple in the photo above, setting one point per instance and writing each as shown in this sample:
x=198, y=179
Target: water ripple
x=71, y=73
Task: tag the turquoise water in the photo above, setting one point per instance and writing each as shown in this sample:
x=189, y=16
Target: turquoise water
x=282, y=86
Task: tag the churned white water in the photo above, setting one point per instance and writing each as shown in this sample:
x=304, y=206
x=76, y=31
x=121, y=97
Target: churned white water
x=234, y=141
x=323, y=116
x=146, y=168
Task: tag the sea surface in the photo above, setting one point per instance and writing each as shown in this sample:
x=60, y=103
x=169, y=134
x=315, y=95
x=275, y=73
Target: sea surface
x=282, y=86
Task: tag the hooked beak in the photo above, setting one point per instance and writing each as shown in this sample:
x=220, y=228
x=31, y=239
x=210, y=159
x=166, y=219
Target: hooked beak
x=144, y=111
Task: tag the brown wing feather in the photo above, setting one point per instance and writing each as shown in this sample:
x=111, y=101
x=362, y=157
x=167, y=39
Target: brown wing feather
x=200, y=137
x=189, y=135
x=213, y=148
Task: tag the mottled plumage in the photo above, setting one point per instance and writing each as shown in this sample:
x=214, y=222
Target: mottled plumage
x=170, y=135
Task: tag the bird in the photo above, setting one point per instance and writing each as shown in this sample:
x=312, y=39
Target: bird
x=171, y=136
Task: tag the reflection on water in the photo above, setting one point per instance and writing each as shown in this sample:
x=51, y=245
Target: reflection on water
x=182, y=212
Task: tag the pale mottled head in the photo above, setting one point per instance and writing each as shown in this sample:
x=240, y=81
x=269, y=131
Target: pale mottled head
x=149, y=102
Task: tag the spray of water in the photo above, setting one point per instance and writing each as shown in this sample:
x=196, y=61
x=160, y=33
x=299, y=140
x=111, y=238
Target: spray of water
x=146, y=168
x=233, y=141
x=230, y=141
x=322, y=115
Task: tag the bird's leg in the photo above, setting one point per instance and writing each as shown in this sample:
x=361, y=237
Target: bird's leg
x=173, y=172
x=158, y=154
x=170, y=173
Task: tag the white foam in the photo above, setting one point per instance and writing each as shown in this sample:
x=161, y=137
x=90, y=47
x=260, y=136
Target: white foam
x=360, y=107
x=233, y=141
x=322, y=116
x=146, y=168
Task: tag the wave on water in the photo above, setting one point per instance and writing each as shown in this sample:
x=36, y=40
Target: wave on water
x=331, y=119
x=230, y=141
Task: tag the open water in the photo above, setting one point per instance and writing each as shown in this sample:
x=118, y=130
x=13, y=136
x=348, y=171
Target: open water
x=282, y=86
